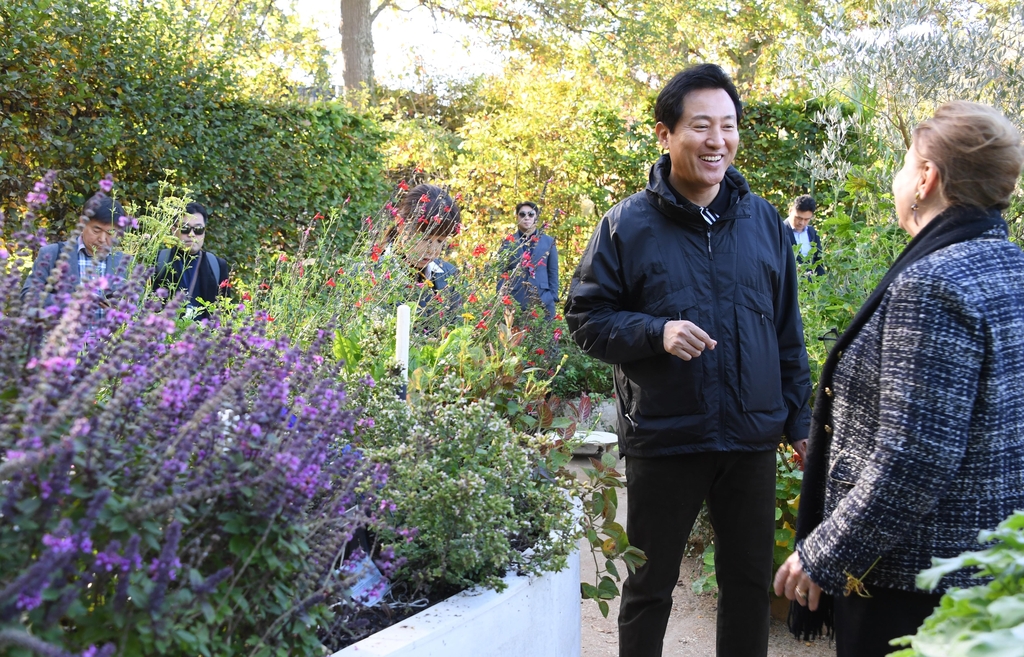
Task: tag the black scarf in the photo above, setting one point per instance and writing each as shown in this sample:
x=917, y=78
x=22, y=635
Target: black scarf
x=954, y=225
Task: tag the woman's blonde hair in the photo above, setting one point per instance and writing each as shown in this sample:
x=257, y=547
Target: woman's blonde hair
x=977, y=150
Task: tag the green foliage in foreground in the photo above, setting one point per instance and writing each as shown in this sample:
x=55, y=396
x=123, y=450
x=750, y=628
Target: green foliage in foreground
x=983, y=620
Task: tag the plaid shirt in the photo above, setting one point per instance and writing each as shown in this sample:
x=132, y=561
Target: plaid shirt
x=90, y=269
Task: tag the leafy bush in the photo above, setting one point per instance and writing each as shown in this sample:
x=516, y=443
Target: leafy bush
x=987, y=619
x=165, y=492
x=75, y=97
x=474, y=489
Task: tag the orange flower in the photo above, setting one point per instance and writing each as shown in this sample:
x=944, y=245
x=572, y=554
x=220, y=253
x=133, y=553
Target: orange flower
x=331, y=283
x=375, y=252
x=472, y=298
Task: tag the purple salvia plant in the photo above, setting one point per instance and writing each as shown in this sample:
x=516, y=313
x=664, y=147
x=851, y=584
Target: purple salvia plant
x=217, y=455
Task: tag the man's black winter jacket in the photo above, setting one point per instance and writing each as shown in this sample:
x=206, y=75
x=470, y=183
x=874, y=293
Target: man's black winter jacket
x=651, y=260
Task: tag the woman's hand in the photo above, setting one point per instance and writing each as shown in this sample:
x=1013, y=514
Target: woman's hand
x=793, y=582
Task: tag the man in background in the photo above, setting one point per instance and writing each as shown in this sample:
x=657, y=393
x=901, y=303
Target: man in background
x=91, y=256
x=802, y=233
x=529, y=262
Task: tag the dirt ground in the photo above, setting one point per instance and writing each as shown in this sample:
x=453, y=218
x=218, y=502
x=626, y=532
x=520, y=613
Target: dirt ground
x=691, y=628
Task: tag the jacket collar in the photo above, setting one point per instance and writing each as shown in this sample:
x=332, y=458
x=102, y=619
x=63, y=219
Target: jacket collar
x=659, y=194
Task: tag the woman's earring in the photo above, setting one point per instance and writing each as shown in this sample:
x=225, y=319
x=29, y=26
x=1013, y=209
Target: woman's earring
x=917, y=197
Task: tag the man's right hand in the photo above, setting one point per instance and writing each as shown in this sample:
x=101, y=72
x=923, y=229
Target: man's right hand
x=685, y=339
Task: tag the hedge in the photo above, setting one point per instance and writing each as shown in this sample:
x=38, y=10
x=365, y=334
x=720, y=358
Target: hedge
x=87, y=90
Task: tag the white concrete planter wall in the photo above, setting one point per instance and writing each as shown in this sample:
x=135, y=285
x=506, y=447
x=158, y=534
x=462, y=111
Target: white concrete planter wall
x=535, y=617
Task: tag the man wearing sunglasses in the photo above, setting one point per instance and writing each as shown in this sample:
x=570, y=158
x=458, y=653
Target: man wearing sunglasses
x=90, y=257
x=187, y=268
x=530, y=262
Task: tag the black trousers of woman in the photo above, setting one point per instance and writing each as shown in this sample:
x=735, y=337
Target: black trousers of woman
x=663, y=497
x=864, y=626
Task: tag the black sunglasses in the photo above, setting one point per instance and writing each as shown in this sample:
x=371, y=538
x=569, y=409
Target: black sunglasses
x=527, y=213
x=195, y=230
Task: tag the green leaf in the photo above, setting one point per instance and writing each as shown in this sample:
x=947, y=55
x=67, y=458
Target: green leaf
x=603, y=606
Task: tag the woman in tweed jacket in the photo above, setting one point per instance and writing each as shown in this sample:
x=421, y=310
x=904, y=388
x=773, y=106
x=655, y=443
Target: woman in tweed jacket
x=917, y=442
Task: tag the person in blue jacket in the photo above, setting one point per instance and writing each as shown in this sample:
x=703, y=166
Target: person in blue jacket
x=529, y=262
x=802, y=233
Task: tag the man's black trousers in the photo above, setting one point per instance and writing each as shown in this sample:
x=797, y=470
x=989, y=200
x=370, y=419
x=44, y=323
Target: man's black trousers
x=664, y=496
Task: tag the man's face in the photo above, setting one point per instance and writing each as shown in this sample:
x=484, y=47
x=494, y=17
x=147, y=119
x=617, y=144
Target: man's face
x=99, y=238
x=800, y=220
x=192, y=232
x=703, y=144
x=526, y=219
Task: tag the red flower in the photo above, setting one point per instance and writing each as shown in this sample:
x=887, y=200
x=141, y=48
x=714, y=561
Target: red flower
x=458, y=197
x=507, y=300
x=387, y=275
x=264, y=286
x=558, y=334
x=481, y=324
x=558, y=317
x=302, y=270
x=437, y=298
x=340, y=271
x=283, y=258
x=317, y=216
x=530, y=363
x=369, y=222
x=472, y=298
x=535, y=239
x=447, y=208
x=225, y=284
x=479, y=250
x=403, y=186
x=373, y=279
x=509, y=238
x=359, y=304
x=246, y=296
x=424, y=199
x=330, y=283
x=533, y=313
x=539, y=352
x=269, y=318
x=375, y=252
x=487, y=313
x=505, y=276
x=551, y=372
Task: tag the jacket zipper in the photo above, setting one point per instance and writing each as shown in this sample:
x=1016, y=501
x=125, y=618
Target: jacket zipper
x=710, y=255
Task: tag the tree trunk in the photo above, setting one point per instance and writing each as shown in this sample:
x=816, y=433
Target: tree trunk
x=357, y=44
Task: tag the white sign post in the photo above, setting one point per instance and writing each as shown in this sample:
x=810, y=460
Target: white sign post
x=402, y=340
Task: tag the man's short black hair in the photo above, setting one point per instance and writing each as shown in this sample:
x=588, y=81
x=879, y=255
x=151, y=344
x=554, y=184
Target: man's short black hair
x=531, y=204
x=103, y=209
x=198, y=208
x=805, y=203
x=669, y=107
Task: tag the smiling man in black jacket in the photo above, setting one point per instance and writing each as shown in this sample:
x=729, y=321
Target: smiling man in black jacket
x=689, y=288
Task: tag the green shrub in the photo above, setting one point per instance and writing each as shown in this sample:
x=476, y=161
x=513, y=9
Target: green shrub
x=471, y=486
x=987, y=619
x=75, y=96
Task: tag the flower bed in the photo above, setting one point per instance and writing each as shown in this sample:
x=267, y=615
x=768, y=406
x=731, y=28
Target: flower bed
x=537, y=616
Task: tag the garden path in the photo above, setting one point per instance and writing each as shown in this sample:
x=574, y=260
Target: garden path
x=691, y=628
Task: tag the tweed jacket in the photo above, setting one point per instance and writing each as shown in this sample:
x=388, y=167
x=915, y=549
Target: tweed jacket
x=928, y=421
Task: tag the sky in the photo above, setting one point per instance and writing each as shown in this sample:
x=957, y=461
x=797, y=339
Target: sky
x=402, y=39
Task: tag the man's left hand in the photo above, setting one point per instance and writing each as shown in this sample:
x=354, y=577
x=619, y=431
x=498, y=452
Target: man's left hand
x=800, y=447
